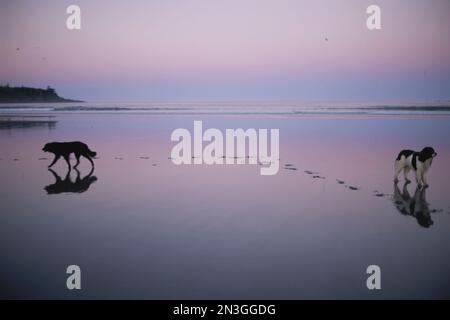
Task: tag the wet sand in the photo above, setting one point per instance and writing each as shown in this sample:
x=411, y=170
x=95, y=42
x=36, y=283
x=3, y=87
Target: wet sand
x=141, y=227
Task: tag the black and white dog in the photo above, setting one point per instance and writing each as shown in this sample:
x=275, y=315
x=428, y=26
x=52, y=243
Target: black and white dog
x=420, y=162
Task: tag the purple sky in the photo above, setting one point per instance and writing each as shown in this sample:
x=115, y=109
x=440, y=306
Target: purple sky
x=229, y=49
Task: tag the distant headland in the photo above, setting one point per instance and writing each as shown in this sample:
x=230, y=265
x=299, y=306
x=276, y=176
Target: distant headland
x=26, y=94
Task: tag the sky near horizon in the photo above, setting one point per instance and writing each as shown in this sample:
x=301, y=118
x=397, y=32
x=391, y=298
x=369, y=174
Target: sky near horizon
x=309, y=50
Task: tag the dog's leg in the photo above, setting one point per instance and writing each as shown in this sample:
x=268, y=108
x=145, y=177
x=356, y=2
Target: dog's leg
x=54, y=161
x=405, y=173
x=424, y=179
x=419, y=177
x=77, y=179
x=398, y=166
x=92, y=162
x=77, y=156
x=405, y=192
x=68, y=162
x=67, y=178
x=90, y=173
x=55, y=175
x=423, y=197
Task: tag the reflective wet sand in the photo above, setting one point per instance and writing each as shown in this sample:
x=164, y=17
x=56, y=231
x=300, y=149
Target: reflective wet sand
x=141, y=227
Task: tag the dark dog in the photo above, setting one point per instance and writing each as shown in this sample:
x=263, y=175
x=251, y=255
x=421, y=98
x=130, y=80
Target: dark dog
x=64, y=149
x=420, y=162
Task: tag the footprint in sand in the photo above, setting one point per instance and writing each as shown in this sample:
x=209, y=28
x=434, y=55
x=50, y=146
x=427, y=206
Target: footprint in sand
x=315, y=175
x=347, y=186
x=289, y=166
x=379, y=194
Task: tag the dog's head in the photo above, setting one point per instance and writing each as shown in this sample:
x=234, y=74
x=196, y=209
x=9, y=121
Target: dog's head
x=49, y=147
x=427, y=153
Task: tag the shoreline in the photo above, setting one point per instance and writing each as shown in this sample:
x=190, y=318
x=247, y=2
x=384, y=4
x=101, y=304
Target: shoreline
x=75, y=107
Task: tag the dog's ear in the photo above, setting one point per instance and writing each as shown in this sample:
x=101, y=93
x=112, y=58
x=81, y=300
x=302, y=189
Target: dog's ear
x=426, y=153
x=422, y=157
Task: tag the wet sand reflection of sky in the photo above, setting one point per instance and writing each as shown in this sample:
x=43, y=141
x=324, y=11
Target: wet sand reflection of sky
x=186, y=231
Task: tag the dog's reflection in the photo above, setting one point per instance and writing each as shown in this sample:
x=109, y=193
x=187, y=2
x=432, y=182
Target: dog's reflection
x=416, y=206
x=66, y=185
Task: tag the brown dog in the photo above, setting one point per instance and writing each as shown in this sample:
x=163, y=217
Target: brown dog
x=64, y=149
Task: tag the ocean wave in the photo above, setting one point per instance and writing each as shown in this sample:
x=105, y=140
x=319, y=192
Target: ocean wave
x=232, y=109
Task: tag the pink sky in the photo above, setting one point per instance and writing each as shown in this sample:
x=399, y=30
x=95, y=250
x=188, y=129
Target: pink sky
x=233, y=48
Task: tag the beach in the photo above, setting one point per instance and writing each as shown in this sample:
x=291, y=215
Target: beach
x=140, y=226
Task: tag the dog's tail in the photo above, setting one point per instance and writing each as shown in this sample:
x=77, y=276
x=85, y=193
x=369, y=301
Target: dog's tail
x=93, y=154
